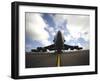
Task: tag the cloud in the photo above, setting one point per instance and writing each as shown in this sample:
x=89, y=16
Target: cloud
x=27, y=47
x=35, y=27
x=73, y=27
x=45, y=42
x=86, y=46
x=50, y=30
x=68, y=38
x=77, y=26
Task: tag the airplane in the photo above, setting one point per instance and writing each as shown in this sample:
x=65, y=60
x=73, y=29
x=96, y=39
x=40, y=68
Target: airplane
x=58, y=45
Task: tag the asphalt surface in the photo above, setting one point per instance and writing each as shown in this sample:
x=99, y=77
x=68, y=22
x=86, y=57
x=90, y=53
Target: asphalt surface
x=71, y=58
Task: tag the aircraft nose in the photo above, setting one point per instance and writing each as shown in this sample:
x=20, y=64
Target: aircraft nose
x=59, y=35
x=59, y=31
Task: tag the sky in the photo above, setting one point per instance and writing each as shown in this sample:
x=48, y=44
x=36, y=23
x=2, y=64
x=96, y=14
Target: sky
x=41, y=28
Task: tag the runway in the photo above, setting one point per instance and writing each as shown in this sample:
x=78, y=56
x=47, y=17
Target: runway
x=46, y=59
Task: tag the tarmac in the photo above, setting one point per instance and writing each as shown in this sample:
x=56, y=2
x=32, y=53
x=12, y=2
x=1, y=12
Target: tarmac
x=47, y=59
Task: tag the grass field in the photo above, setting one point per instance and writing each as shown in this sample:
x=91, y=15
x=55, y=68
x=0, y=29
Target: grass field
x=74, y=58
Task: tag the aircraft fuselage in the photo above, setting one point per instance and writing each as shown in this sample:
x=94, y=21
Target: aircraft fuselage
x=59, y=42
x=58, y=45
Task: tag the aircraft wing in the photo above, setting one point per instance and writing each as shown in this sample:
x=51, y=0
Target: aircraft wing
x=66, y=47
x=44, y=49
x=50, y=47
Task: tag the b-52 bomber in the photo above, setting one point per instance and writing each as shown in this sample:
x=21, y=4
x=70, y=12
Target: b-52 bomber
x=58, y=45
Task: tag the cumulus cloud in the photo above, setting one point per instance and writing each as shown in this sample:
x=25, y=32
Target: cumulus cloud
x=68, y=38
x=51, y=30
x=27, y=47
x=86, y=46
x=35, y=27
x=73, y=28
x=76, y=25
x=45, y=42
